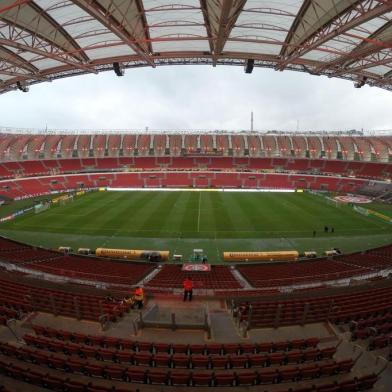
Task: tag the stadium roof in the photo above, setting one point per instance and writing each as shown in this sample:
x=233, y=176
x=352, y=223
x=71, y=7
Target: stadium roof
x=42, y=40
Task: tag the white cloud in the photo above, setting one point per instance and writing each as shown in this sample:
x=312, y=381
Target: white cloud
x=198, y=97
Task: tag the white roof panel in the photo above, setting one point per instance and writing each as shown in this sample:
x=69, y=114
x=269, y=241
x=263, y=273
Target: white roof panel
x=250, y=47
x=192, y=46
x=289, y=33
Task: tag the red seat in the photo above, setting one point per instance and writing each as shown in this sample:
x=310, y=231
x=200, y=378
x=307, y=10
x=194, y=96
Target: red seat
x=327, y=352
x=143, y=359
x=214, y=349
x=178, y=348
x=295, y=356
x=106, y=354
x=198, y=349
x=58, y=362
x=312, y=342
x=258, y=360
x=281, y=346
x=179, y=378
x=124, y=356
x=94, y=370
x=247, y=348
x=114, y=372
x=72, y=349
x=328, y=388
x=109, y=342
x=162, y=360
x=329, y=369
x=98, y=388
x=88, y=352
x=233, y=348
x=276, y=358
x=75, y=365
x=78, y=338
x=246, y=378
x=218, y=361
x=95, y=340
x=161, y=347
x=289, y=374
x=144, y=346
x=55, y=383
x=264, y=347
x=348, y=386
x=180, y=360
x=200, y=361
x=126, y=344
x=238, y=361
x=309, y=372
x=268, y=376
x=311, y=355
x=135, y=375
x=74, y=386
x=157, y=377
x=224, y=379
x=35, y=377
x=366, y=382
x=202, y=379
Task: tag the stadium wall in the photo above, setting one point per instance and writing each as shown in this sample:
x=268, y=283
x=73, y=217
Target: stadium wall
x=35, y=186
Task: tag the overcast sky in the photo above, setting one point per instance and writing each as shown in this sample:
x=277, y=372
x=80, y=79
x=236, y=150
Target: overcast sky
x=198, y=97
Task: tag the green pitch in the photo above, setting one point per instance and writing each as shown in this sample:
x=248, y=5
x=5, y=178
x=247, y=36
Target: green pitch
x=214, y=221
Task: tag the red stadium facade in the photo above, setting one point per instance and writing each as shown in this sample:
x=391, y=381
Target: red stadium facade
x=42, y=163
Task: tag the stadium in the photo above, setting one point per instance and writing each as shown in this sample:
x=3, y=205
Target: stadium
x=280, y=240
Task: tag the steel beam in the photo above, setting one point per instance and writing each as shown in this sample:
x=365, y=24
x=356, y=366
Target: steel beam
x=230, y=11
x=37, y=24
x=61, y=57
x=207, y=22
x=10, y=57
x=362, y=12
x=101, y=14
x=368, y=46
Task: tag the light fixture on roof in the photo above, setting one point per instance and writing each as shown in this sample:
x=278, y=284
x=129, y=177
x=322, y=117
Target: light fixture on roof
x=22, y=87
x=117, y=68
x=360, y=82
x=249, y=64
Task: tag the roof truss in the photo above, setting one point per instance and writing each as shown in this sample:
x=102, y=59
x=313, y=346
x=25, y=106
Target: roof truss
x=72, y=37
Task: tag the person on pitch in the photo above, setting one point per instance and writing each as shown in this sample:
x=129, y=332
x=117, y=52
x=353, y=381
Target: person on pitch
x=188, y=288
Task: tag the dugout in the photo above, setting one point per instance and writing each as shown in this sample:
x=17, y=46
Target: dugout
x=134, y=254
x=288, y=256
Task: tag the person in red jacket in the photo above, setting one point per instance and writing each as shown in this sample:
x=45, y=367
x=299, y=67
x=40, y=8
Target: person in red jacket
x=188, y=288
x=139, y=297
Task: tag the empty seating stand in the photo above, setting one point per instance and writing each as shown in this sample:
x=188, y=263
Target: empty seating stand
x=338, y=308
x=57, y=352
x=26, y=298
x=71, y=266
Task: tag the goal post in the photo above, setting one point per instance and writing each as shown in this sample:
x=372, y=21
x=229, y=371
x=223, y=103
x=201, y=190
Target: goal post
x=327, y=198
x=65, y=200
x=41, y=207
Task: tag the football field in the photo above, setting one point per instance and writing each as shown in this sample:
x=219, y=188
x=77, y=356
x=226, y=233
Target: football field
x=180, y=221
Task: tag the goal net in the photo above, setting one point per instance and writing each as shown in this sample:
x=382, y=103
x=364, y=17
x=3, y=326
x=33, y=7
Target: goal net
x=41, y=207
x=65, y=200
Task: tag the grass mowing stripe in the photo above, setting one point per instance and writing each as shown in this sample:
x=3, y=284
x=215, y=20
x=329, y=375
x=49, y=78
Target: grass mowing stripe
x=198, y=214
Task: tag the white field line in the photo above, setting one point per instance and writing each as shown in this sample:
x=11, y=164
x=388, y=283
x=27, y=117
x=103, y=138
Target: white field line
x=81, y=229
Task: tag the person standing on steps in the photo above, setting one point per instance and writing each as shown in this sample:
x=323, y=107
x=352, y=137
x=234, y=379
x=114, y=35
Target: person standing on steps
x=188, y=288
x=139, y=297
